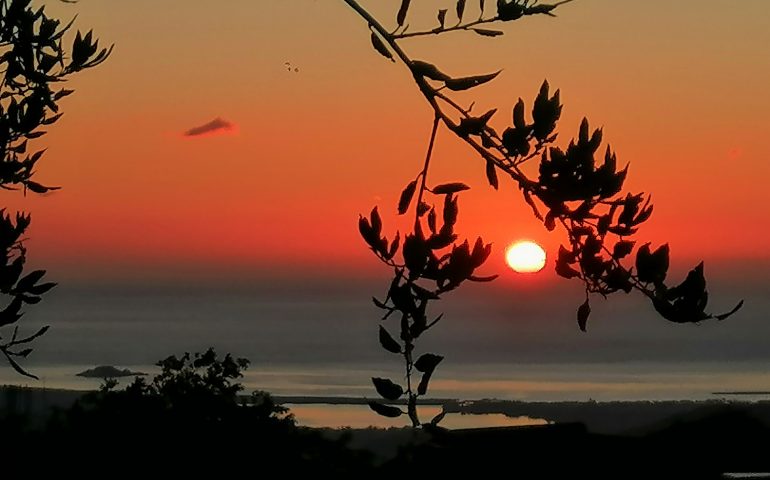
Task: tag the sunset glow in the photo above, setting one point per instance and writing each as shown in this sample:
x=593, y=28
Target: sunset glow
x=242, y=225
x=289, y=171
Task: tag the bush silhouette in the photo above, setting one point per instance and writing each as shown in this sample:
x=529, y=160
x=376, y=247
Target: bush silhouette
x=577, y=188
x=34, y=63
x=189, y=418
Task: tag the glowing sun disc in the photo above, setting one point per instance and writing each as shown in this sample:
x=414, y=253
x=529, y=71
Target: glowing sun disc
x=525, y=257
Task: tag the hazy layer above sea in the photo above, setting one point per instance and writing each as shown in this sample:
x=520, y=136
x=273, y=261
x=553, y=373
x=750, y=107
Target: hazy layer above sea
x=309, y=337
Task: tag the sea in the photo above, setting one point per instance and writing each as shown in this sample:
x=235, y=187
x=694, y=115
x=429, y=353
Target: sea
x=321, y=341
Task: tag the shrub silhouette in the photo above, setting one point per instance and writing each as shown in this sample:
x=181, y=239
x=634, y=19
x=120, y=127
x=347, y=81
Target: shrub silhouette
x=566, y=187
x=193, y=393
x=34, y=63
x=189, y=417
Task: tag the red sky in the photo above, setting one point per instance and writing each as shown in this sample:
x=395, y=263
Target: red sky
x=679, y=87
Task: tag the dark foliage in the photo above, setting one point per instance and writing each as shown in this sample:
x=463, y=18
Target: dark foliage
x=188, y=419
x=34, y=62
x=577, y=188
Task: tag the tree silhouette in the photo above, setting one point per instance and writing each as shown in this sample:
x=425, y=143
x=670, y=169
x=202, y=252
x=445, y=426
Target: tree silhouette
x=563, y=187
x=199, y=387
x=34, y=62
x=189, y=417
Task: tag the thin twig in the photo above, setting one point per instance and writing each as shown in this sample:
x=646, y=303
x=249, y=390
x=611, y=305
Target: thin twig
x=468, y=26
x=426, y=165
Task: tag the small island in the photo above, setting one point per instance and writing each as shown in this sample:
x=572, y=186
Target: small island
x=108, y=371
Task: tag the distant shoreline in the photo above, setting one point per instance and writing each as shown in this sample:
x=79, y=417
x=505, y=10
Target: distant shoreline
x=454, y=403
x=742, y=393
x=605, y=417
x=321, y=400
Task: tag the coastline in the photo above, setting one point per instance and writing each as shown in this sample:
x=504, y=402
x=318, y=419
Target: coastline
x=604, y=417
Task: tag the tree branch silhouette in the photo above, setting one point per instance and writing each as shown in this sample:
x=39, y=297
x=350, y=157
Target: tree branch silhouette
x=575, y=192
x=526, y=9
x=34, y=61
x=426, y=166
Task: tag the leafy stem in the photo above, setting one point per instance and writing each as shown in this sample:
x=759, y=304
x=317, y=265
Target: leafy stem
x=437, y=31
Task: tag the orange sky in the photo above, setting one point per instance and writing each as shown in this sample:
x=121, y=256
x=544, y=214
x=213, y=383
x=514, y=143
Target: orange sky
x=680, y=88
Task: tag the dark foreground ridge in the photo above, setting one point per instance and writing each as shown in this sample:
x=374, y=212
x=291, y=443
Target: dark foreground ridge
x=90, y=433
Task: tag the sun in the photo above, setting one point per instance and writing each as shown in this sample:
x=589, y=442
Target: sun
x=525, y=257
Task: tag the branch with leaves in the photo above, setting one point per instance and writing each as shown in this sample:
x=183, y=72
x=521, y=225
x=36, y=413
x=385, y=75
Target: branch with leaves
x=569, y=188
x=33, y=60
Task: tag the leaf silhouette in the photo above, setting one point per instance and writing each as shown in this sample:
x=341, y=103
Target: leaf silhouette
x=509, y=10
x=10, y=314
x=450, y=188
x=427, y=362
x=29, y=280
x=488, y=33
x=19, y=369
x=623, y=248
x=432, y=220
x=722, y=316
x=379, y=304
x=401, y=15
x=543, y=8
x=460, y=8
x=489, y=278
x=385, y=410
x=376, y=221
x=394, y=246
x=422, y=388
x=464, y=83
x=652, y=266
x=491, y=172
x=441, y=17
x=474, y=125
x=584, y=311
x=429, y=70
x=546, y=111
x=37, y=188
x=450, y=210
x=383, y=50
x=437, y=419
x=387, y=389
x=33, y=336
x=518, y=115
x=406, y=197
x=387, y=341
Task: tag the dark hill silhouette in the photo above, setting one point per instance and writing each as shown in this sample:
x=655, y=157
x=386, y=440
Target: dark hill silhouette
x=191, y=419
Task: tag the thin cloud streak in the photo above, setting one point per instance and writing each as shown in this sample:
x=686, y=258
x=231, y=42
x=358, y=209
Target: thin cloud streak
x=218, y=125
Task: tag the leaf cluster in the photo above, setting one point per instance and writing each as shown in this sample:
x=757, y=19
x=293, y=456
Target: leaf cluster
x=427, y=264
x=18, y=288
x=500, y=11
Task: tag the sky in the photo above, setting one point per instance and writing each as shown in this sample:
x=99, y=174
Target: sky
x=677, y=86
x=237, y=143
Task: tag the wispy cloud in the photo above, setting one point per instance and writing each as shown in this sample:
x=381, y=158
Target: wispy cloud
x=218, y=125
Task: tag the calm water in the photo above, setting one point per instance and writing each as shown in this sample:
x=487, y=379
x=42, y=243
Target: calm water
x=552, y=382
x=319, y=339
x=360, y=416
